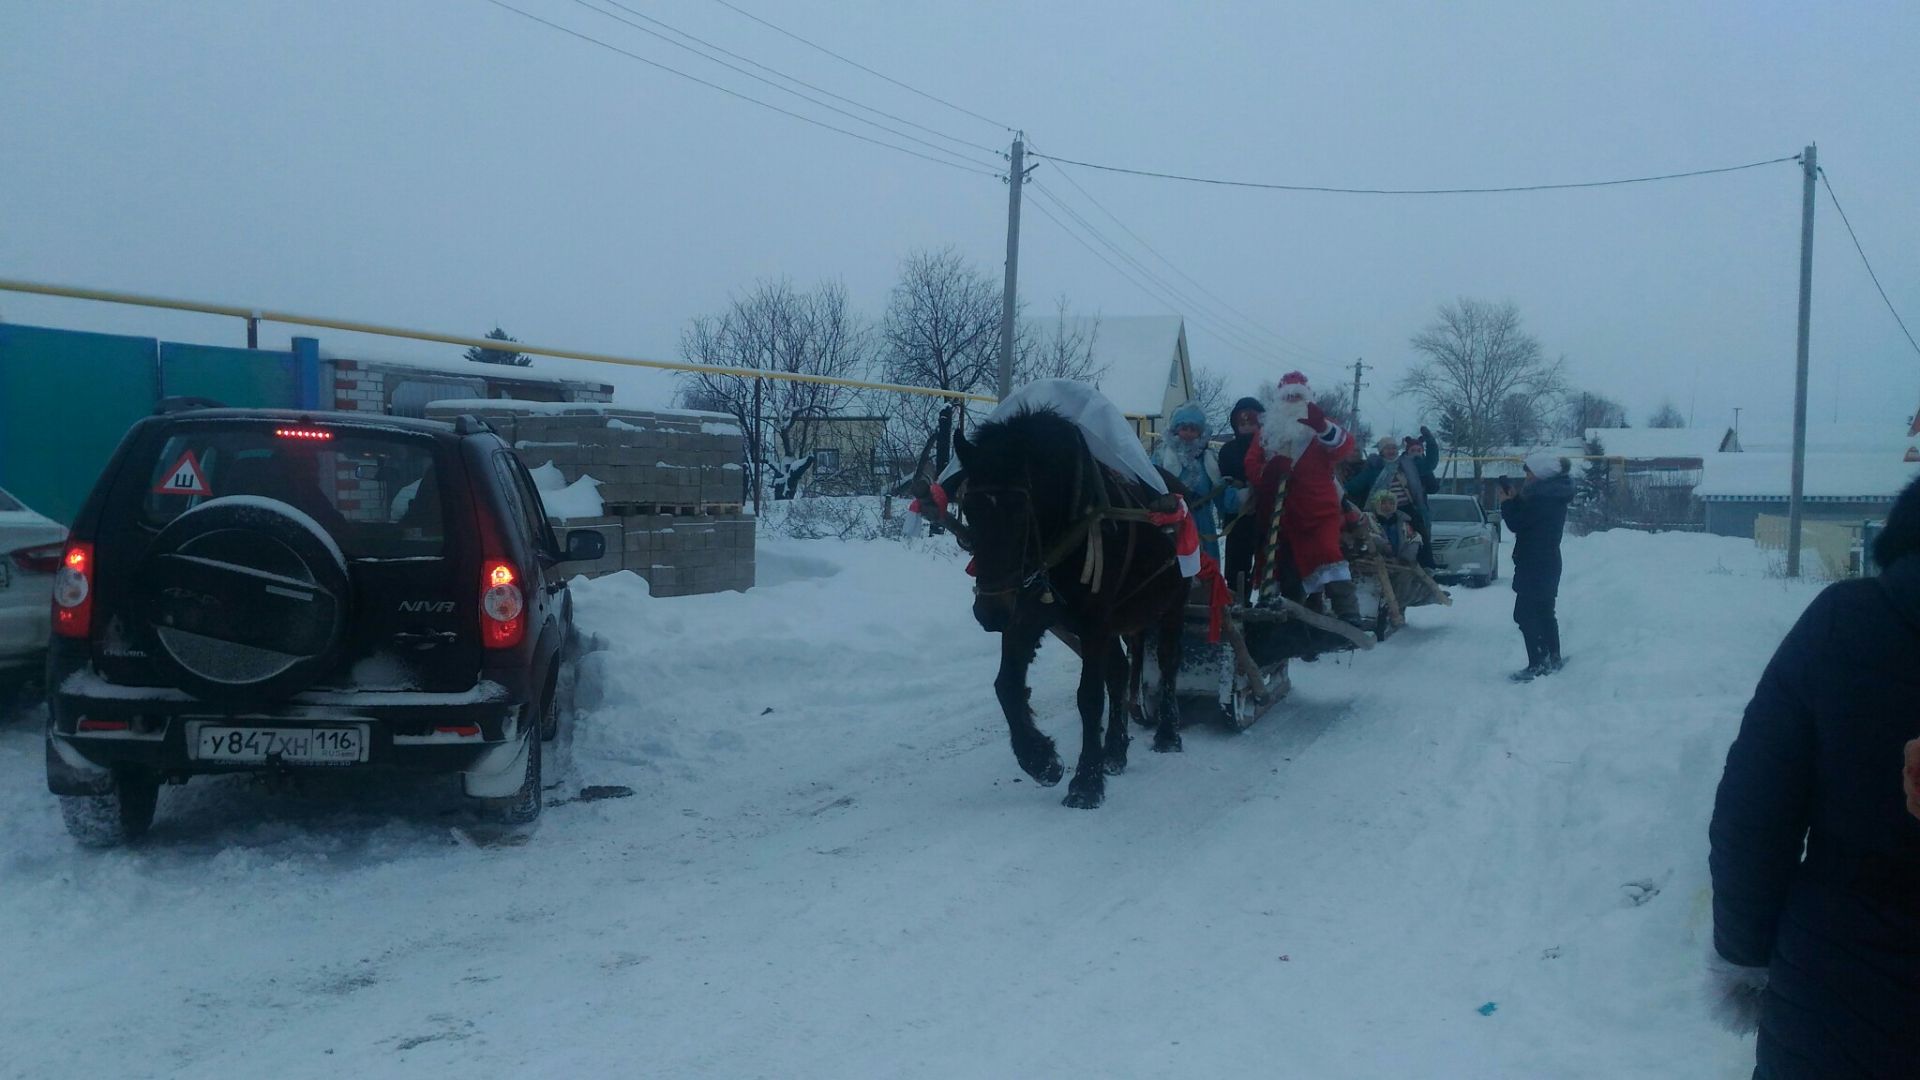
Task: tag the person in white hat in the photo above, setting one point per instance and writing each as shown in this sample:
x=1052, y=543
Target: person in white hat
x=1536, y=515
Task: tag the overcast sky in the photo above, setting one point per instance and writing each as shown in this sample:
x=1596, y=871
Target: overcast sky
x=450, y=165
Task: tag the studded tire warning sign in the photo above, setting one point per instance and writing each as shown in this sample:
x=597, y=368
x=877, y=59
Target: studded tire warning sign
x=185, y=478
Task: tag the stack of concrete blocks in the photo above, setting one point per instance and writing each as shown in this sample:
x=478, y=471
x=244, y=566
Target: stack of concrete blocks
x=671, y=483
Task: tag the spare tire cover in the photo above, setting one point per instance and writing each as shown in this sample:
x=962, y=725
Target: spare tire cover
x=245, y=598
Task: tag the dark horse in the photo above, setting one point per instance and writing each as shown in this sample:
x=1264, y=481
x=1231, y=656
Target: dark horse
x=1033, y=501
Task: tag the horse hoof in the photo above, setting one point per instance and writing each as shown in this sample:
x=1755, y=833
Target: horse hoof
x=1115, y=766
x=1046, y=773
x=1168, y=746
x=1084, y=799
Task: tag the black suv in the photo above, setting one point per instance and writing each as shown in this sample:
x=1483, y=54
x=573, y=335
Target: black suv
x=251, y=589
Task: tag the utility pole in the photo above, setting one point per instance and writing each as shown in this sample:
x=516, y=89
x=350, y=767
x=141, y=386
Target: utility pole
x=1809, y=167
x=1354, y=420
x=1014, y=178
x=1736, y=423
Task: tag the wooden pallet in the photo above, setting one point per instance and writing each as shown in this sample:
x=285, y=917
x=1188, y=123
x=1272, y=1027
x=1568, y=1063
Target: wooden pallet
x=673, y=509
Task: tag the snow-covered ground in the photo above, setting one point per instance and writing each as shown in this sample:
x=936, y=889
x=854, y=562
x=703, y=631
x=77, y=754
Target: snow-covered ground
x=832, y=866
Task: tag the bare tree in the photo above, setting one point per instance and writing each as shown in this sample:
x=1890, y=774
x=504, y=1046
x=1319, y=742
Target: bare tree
x=1063, y=349
x=1482, y=374
x=1338, y=403
x=1667, y=416
x=941, y=329
x=1210, y=393
x=775, y=328
x=1586, y=411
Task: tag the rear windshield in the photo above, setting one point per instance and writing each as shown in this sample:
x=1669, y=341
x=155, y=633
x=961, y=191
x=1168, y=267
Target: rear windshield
x=376, y=493
x=1454, y=509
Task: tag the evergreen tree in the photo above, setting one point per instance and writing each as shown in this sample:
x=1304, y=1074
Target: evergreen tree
x=509, y=357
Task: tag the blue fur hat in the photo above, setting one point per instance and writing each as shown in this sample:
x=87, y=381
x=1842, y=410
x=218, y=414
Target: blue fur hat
x=1190, y=413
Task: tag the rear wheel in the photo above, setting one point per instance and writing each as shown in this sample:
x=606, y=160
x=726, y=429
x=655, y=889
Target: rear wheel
x=122, y=816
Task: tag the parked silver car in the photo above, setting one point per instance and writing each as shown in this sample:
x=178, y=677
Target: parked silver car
x=1466, y=546
x=29, y=555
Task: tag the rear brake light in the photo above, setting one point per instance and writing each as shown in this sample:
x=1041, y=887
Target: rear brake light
x=73, y=591
x=310, y=434
x=464, y=731
x=44, y=559
x=89, y=724
x=502, y=609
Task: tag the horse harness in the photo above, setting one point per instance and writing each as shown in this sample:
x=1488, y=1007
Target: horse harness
x=1084, y=529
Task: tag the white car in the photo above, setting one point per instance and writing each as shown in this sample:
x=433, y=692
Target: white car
x=30, y=549
x=1465, y=545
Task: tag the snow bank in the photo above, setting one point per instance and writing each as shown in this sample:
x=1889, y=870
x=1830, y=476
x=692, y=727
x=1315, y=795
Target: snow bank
x=580, y=499
x=831, y=865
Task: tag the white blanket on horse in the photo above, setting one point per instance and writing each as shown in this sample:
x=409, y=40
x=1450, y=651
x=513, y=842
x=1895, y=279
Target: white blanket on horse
x=1108, y=433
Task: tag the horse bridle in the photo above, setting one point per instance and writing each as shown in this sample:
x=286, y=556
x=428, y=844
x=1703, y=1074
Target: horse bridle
x=1031, y=542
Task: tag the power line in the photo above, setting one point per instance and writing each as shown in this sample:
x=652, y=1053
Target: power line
x=1180, y=298
x=1413, y=191
x=1243, y=316
x=590, y=39
x=1166, y=293
x=861, y=66
x=1238, y=346
x=780, y=74
x=1865, y=263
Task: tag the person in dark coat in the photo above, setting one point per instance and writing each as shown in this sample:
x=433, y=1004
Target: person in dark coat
x=1243, y=535
x=1396, y=467
x=1536, y=515
x=1815, y=858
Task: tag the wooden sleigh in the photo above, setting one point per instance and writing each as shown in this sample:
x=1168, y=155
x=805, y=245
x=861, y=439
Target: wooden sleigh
x=1393, y=586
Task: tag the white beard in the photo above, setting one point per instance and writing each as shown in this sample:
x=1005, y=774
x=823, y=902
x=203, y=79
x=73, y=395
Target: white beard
x=1281, y=430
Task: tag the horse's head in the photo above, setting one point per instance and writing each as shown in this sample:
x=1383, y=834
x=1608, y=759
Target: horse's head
x=1017, y=499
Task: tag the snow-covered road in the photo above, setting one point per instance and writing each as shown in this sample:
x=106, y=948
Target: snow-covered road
x=832, y=866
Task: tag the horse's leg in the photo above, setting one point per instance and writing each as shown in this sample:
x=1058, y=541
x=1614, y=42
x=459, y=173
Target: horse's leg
x=1031, y=748
x=1136, y=668
x=1166, y=737
x=1118, y=667
x=1089, y=785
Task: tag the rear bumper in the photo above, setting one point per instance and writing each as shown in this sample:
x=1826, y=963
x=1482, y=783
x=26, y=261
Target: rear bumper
x=24, y=630
x=400, y=730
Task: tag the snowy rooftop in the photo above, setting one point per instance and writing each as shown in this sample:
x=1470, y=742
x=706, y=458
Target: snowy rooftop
x=1833, y=439
x=1138, y=353
x=1828, y=476
x=1639, y=444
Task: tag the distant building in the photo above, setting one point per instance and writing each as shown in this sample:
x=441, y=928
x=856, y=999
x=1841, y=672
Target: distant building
x=848, y=455
x=1841, y=487
x=1148, y=373
x=1655, y=470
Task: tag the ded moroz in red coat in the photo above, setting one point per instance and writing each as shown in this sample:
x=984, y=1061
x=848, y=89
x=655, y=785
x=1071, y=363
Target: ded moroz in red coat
x=1300, y=445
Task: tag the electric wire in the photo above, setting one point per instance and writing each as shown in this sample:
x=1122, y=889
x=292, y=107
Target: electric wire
x=1252, y=353
x=1217, y=325
x=590, y=39
x=1864, y=261
x=1413, y=191
x=785, y=90
x=861, y=66
x=1244, y=318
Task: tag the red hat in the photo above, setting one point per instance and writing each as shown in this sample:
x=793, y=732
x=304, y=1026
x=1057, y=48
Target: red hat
x=1293, y=385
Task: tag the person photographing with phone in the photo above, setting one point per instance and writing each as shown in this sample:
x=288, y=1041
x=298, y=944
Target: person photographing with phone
x=1536, y=515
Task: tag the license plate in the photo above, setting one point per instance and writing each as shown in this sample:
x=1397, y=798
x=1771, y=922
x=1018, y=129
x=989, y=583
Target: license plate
x=294, y=746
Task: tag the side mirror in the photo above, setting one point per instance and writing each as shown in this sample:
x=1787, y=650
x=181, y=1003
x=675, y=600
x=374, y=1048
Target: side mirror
x=585, y=545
